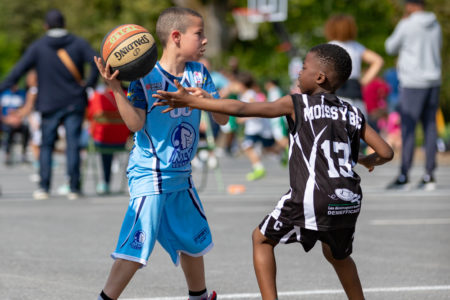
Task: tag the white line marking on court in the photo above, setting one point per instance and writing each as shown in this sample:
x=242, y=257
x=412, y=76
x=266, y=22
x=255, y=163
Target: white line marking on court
x=411, y=222
x=315, y=292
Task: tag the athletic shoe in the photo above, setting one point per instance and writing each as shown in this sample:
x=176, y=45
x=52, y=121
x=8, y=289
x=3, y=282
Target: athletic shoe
x=73, y=196
x=256, y=174
x=102, y=188
x=40, y=194
x=63, y=189
x=401, y=183
x=212, y=296
x=427, y=183
x=284, y=159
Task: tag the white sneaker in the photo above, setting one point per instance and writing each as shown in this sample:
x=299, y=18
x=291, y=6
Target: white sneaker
x=40, y=194
x=63, y=189
x=73, y=196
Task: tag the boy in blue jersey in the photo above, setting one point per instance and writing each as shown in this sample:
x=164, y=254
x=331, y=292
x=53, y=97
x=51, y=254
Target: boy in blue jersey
x=164, y=204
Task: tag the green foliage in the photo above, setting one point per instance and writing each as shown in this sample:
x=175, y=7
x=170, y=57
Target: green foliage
x=9, y=52
x=21, y=22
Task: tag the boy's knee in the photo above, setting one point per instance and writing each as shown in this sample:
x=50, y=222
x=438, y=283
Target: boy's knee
x=257, y=236
x=259, y=239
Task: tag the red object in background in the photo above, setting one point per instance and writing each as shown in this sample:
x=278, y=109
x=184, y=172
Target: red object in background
x=375, y=94
x=106, y=125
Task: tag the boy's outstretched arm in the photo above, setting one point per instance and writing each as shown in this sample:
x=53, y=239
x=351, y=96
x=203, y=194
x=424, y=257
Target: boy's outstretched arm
x=383, y=152
x=220, y=119
x=182, y=98
x=133, y=117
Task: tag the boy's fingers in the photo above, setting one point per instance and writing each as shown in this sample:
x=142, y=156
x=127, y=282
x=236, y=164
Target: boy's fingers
x=164, y=95
x=167, y=110
x=161, y=103
x=178, y=85
x=115, y=74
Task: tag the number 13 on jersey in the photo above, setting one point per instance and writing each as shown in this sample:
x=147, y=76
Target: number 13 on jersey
x=345, y=166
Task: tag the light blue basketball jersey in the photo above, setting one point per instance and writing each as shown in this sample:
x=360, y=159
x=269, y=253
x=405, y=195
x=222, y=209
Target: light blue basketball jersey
x=160, y=161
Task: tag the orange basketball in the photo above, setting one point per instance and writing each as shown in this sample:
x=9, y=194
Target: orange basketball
x=131, y=49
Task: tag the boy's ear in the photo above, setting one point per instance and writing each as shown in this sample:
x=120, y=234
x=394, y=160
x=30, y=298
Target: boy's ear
x=175, y=36
x=321, y=77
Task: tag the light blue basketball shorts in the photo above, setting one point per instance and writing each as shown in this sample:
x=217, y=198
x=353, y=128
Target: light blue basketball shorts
x=176, y=220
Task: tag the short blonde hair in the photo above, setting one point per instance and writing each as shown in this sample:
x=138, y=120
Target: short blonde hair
x=341, y=28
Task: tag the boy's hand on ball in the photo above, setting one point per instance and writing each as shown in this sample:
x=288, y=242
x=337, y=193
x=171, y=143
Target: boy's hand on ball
x=105, y=72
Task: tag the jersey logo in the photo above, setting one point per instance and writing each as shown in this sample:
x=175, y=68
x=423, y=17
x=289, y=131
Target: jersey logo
x=347, y=195
x=180, y=112
x=198, y=79
x=154, y=86
x=183, y=141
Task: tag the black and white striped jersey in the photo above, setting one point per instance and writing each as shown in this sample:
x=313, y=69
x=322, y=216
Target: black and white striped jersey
x=325, y=192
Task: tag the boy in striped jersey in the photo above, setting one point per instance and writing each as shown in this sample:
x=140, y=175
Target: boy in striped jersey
x=164, y=204
x=324, y=198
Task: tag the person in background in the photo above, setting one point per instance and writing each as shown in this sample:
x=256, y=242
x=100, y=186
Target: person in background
x=278, y=125
x=107, y=130
x=417, y=40
x=374, y=95
x=62, y=95
x=256, y=130
x=10, y=101
x=342, y=30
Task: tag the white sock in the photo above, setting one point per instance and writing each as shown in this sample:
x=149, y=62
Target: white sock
x=258, y=166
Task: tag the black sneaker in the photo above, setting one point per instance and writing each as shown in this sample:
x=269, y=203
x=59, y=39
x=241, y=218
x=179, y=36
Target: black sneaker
x=401, y=183
x=427, y=183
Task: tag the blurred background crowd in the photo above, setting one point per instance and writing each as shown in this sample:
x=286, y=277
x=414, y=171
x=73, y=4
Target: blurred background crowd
x=244, y=66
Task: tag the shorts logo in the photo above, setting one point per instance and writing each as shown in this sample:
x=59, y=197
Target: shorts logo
x=183, y=141
x=201, y=236
x=277, y=226
x=138, y=240
x=347, y=195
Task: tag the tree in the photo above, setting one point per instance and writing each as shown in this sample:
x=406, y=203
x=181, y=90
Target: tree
x=265, y=56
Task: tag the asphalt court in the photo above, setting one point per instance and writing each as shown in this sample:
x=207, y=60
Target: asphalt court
x=59, y=249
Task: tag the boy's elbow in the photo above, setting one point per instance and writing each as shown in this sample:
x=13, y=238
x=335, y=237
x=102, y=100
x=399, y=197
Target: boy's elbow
x=388, y=155
x=135, y=127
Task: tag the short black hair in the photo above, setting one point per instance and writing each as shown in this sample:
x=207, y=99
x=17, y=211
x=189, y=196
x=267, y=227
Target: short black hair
x=55, y=19
x=246, y=78
x=336, y=58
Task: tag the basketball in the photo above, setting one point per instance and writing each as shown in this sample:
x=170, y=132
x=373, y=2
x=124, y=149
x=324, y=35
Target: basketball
x=131, y=49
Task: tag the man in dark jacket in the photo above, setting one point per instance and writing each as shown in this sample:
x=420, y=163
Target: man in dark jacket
x=61, y=98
